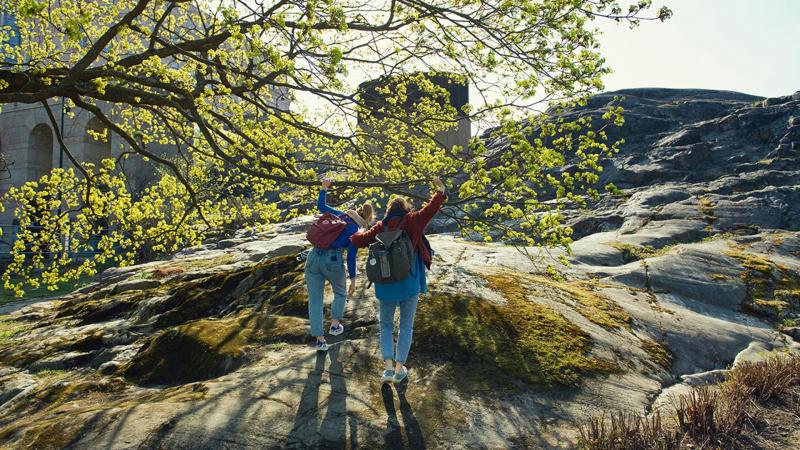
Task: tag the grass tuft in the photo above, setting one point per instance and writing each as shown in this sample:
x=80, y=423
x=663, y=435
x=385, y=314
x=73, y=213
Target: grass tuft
x=623, y=431
x=706, y=418
x=768, y=379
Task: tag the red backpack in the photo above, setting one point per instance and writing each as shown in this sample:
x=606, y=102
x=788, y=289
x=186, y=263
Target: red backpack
x=325, y=230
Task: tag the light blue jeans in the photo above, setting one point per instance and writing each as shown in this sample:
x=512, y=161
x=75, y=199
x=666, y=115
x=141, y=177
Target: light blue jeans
x=323, y=265
x=408, y=308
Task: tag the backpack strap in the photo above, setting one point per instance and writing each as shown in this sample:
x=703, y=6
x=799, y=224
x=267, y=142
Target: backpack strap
x=387, y=237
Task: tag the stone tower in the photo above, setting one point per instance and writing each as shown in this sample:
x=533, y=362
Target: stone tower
x=459, y=96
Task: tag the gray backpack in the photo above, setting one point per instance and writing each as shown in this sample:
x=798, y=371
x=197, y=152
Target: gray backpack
x=390, y=258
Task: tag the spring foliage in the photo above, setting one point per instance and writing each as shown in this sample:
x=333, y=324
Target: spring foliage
x=207, y=77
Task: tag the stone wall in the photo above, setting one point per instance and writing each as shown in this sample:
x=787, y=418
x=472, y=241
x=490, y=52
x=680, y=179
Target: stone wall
x=29, y=145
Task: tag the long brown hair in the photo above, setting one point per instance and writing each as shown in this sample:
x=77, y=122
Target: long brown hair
x=399, y=203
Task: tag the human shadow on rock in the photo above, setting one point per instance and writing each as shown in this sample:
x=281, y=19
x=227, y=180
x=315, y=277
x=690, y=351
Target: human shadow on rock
x=334, y=426
x=307, y=430
x=393, y=437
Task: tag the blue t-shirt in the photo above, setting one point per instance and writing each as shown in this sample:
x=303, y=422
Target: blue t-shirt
x=414, y=284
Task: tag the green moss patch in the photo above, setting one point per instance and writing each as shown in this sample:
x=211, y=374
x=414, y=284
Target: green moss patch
x=9, y=329
x=579, y=295
x=706, y=206
x=95, y=311
x=50, y=373
x=523, y=339
x=658, y=352
x=635, y=252
x=208, y=348
x=215, y=293
x=54, y=415
x=655, y=306
x=53, y=433
x=772, y=289
x=21, y=354
x=751, y=261
x=287, y=295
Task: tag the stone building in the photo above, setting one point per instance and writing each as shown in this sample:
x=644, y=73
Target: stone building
x=459, y=97
x=30, y=149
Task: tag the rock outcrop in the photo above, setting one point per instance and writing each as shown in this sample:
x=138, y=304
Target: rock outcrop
x=694, y=269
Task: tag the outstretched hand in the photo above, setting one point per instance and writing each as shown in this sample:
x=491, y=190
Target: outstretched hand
x=439, y=184
x=326, y=183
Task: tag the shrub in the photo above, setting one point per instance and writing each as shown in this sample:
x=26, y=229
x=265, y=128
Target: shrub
x=627, y=432
x=768, y=379
x=695, y=413
x=708, y=417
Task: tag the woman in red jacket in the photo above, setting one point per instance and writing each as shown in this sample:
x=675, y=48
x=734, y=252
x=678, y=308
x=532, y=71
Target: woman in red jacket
x=403, y=294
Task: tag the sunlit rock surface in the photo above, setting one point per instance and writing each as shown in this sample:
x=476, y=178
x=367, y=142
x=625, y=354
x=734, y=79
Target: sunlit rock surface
x=690, y=272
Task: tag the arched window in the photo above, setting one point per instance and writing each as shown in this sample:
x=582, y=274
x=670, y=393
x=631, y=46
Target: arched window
x=40, y=151
x=96, y=142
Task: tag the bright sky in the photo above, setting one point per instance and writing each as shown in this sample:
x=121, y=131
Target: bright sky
x=750, y=46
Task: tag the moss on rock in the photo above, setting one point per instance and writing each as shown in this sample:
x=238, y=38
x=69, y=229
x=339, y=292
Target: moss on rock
x=54, y=433
x=10, y=328
x=634, y=252
x=523, y=339
x=208, y=348
x=217, y=292
x=581, y=296
x=288, y=297
x=772, y=289
x=101, y=310
x=658, y=352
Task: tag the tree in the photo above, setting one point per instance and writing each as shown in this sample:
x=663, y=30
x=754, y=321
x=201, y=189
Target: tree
x=203, y=75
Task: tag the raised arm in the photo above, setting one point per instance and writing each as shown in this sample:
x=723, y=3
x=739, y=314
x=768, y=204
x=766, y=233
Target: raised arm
x=424, y=215
x=364, y=238
x=322, y=205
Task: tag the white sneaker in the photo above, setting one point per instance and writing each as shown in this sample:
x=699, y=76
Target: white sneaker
x=400, y=376
x=336, y=330
x=387, y=377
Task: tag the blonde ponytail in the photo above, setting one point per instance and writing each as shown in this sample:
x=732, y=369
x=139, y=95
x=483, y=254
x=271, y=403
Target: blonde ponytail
x=366, y=211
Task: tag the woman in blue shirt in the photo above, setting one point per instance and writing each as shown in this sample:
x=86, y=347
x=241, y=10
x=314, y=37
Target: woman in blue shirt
x=328, y=264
